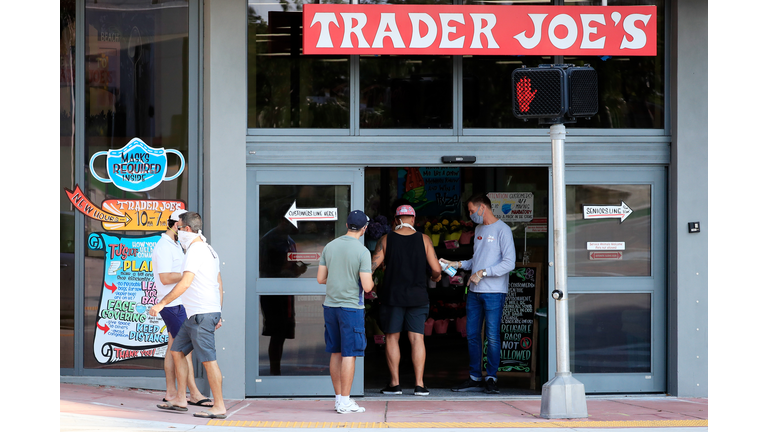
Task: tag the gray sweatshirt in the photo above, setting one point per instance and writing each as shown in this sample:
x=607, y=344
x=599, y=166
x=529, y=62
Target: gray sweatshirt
x=495, y=252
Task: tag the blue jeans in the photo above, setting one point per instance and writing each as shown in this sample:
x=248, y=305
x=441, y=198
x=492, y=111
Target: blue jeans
x=484, y=307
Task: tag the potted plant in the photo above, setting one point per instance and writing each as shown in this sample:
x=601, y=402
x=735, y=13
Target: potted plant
x=468, y=231
x=377, y=227
x=438, y=230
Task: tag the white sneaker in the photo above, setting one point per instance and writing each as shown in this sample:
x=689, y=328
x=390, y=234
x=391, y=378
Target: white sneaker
x=351, y=407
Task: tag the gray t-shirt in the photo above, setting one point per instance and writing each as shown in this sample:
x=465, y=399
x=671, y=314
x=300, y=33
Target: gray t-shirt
x=495, y=252
x=345, y=258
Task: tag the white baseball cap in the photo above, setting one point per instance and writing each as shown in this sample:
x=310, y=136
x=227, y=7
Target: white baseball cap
x=177, y=214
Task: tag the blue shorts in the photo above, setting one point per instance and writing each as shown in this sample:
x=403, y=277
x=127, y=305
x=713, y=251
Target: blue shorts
x=197, y=334
x=345, y=331
x=174, y=318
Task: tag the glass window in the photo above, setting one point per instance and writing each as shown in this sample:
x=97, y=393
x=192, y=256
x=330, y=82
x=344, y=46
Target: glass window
x=604, y=238
x=137, y=86
x=610, y=333
x=286, y=89
x=292, y=340
x=67, y=177
x=290, y=246
x=406, y=92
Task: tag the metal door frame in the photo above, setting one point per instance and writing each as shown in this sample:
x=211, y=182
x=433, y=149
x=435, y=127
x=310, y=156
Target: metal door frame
x=655, y=284
x=255, y=384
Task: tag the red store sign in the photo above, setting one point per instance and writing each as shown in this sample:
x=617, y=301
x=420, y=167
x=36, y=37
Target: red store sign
x=479, y=30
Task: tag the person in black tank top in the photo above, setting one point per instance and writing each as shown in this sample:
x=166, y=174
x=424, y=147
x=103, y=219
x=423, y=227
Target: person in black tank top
x=409, y=256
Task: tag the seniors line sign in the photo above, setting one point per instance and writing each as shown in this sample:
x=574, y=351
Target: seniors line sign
x=479, y=30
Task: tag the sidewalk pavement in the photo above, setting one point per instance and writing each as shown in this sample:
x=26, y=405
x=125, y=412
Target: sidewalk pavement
x=91, y=407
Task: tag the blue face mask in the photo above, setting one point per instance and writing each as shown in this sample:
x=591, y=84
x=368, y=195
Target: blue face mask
x=137, y=167
x=477, y=217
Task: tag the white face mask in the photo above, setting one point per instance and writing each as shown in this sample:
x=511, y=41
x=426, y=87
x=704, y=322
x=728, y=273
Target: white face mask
x=404, y=224
x=186, y=238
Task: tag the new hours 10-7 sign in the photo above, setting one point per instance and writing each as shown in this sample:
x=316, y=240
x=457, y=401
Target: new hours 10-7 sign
x=333, y=29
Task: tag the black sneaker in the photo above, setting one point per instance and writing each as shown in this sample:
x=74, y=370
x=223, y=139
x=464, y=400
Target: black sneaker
x=392, y=390
x=491, y=387
x=421, y=391
x=470, y=385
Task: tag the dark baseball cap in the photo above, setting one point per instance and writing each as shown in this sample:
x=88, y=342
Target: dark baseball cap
x=357, y=220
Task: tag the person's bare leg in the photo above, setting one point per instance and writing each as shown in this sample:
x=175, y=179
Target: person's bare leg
x=182, y=371
x=392, y=346
x=195, y=395
x=336, y=372
x=347, y=374
x=418, y=356
x=170, y=372
x=214, y=381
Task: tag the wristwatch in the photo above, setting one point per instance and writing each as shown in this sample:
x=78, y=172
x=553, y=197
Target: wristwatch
x=483, y=272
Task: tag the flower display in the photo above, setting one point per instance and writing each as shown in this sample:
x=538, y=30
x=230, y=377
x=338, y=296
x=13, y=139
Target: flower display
x=378, y=227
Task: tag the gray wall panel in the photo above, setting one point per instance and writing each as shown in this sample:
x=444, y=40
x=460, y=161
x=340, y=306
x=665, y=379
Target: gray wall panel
x=224, y=101
x=688, y=361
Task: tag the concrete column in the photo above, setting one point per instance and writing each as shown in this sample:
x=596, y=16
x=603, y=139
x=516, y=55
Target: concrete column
x=688, y=272
x=224, y=115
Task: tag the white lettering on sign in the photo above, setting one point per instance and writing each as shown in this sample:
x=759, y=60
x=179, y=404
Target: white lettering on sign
x=345, y=29
x=605, y=245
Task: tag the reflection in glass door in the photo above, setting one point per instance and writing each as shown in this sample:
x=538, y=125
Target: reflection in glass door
x=616, y=258
x=292, y=215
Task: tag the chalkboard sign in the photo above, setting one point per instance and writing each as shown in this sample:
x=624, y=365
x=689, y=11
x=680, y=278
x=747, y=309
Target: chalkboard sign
x=519, y=327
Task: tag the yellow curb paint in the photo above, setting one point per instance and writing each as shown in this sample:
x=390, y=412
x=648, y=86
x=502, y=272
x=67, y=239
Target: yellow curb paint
x=412, y=425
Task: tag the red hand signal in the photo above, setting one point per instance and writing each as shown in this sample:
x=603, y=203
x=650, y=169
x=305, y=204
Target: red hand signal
x=524, y=94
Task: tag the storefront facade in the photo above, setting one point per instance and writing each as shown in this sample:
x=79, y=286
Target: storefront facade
x=260, y=129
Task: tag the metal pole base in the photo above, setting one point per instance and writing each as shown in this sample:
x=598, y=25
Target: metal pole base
x=563, y=397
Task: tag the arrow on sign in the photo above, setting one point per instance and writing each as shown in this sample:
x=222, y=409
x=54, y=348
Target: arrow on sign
x=604, y=212
x=303, y=256
x=295, y=215
x=605, y=255
x=112, y=287
x=105, y=329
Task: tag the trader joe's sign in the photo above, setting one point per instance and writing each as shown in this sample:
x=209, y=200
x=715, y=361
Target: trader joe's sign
x=479, y=30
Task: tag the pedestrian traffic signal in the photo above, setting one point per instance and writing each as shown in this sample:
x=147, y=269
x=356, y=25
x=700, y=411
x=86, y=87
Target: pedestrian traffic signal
x=554, y=93
x=582, y=91
x=539, y=92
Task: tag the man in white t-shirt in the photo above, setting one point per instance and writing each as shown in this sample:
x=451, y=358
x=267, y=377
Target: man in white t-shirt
x=203, y=295
x=167, y=258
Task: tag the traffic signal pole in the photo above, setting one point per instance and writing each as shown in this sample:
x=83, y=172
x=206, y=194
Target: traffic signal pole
x=563, y=396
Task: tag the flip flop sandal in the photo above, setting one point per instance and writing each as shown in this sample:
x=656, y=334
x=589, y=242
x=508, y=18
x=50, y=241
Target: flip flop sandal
x=201, y=402
x=209, y=415
x=171, y=407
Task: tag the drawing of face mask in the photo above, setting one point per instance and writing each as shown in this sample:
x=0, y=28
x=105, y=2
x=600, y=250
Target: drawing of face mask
x=137, y=167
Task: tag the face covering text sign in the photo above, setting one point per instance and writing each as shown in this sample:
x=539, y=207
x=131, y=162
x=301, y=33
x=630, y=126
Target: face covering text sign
x=124, y=329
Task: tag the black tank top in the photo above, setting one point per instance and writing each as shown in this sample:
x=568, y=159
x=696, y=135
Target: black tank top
x=405, y=275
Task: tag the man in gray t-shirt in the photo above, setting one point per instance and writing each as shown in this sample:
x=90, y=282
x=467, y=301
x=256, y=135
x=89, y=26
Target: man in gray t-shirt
x=493, y=259
x=345, y=269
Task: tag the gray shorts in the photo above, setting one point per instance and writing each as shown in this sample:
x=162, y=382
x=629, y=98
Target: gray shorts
x=197, y=332
x=393, y=317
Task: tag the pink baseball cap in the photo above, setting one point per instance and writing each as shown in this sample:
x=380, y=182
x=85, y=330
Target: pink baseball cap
x=405, y=210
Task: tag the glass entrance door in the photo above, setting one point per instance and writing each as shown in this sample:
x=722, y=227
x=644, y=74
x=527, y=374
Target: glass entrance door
x=617, y=278
x=292, y=214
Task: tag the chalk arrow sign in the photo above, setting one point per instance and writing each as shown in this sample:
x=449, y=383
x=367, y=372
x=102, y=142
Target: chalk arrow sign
x=607, y=211
x=296, y=215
